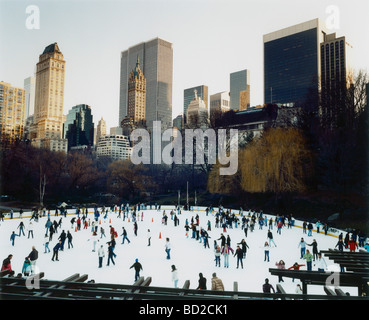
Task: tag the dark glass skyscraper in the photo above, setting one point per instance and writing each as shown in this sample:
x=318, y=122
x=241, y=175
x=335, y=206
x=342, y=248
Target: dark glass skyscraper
x=79, y=126
x=292, y=63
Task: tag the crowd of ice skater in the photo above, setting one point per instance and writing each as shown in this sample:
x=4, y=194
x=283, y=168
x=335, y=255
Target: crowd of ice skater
x=224, y=219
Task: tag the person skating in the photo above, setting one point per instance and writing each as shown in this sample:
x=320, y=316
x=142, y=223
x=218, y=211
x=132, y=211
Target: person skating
x=110, y=253
x=308, y=257
x=33, y=256
x=239, y=254
x=280, y=265
x=175, y=276
x=296, y=266
x=217, y=254
x=244, y=247
x=70, y=238
x=26, y=269
x=12, y=237
x=202, y=282
x=226, y=251
x=216, y=283
x=21, y=228
x=270, y=238
x=314, y=244
x=320, y=263
x=46, y=244
x=138, y=267
x=7, y=265
x=148, y=237
x=56, y=249
x=168, y=247
x=30, y=229
x=267, y=287
x=101, y=255
x=124, y=234
x=62, y=238
x=302, y=244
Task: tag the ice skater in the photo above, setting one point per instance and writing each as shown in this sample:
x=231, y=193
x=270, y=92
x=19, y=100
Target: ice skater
x=168, y=248
x=239, y=254
x=12, y=237
x=101, y=255
x=124, y=234
x=138, y=267
x=175, y=276
x=270, y=238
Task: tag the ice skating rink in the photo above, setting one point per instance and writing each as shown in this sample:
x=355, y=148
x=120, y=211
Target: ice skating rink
x=187, y=254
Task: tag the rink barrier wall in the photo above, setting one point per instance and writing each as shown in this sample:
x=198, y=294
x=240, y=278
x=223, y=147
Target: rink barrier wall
x=333, y=232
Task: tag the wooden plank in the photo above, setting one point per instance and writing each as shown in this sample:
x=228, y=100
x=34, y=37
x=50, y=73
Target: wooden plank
x=185, y=286
x=235, y=289
x=339, y=292
x=282, y=291
x=329, y=291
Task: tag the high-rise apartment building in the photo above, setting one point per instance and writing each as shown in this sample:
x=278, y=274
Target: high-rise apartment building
x=292, y=63
x=79, y=126
x=116, y=147
x=29, y=86
x=100, y=130
x=239, y=89
x=189, y=95
x=49, y=99
x=12, y=109
x=156, y=62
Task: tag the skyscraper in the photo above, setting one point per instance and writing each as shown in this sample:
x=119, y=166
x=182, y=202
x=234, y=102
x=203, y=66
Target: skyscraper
x=12, y=108
x=29, y=86
x=100, y=130
x=156, y=62
x=189, y=95
x=49, y=100
x=292, y=63
x=79, y=126
x=239, y=88
x=335, y=74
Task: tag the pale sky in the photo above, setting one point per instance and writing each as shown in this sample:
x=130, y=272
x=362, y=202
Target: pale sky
x=211, y=39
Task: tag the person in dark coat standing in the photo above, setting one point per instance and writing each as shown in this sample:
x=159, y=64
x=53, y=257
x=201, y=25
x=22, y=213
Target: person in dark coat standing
x=56, y=249
x=138, y=267
x=239, y=255
x=33, y=256
x=202, y=282
x=110, y=253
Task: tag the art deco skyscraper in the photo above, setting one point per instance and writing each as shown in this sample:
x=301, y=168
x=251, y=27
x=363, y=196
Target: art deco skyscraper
x=156, y=62
x=189, y=95
x=47, y=129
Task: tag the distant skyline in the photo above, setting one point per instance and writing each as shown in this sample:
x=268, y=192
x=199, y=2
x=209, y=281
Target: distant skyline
x=211, y=39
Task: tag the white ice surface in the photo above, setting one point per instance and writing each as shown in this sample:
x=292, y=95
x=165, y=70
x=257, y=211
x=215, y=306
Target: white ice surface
x=188, y=255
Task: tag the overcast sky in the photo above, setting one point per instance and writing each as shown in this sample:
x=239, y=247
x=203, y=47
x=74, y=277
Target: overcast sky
x=211, y=39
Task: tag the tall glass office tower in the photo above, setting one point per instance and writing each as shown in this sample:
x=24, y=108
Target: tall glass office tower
x=292, y=63
x=239, y=90
x=79, y=126
x=156, y=61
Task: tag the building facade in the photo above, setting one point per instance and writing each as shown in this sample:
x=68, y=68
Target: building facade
x=116, y=147
x=79, y=126
x=336, y=75
x=239, y=90
x=100, y=130
x=220, y=102
x=189, y=95
x=156, y=62
x=12, y=111
x=292, y=63
x=197, y=113
x=29, y=86
x=49, y=98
